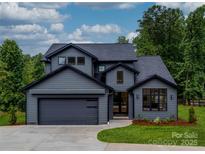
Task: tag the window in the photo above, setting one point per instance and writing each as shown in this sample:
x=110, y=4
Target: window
x=101, y=68
x=154, y=99
x=119, y=77
x=71, y=60
x=81, y=60
x=61, y=60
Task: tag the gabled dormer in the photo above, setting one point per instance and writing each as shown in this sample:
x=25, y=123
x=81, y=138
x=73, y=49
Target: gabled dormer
x=69, y=54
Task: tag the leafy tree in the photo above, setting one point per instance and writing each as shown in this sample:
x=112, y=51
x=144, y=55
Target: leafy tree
x=10, y=87
x=161, y=33
x=28, y=70
x=192, y=71
x=122, y=39
x=3, y=72
x=38, y=66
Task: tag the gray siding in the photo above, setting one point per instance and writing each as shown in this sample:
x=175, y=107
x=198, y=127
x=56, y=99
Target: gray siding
x=65, y=81
x=171, y=104
x=111, y=79
x=47, y=68
x=72, y=52
x=130, y=106
x=32, y=106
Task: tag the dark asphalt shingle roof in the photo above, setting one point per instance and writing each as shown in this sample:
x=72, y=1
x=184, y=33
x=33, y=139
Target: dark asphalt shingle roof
x=152, y=65
x=103, y=51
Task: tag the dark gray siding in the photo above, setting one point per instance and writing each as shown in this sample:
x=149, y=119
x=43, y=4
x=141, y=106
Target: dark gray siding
x=68, y=79
x=66, y=82
x=87, y=68
x=47, y=68
x=171, y=104
x=130, y=106
x=111, y=79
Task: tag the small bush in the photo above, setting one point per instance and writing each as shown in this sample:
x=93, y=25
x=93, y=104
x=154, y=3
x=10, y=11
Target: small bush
x=12, y=116
x=157, y=120
x=192, y=115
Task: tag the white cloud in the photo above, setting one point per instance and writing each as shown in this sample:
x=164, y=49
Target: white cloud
x=104, y=29
x=186, y=7
x=44, y=5
x=29, y=35
x=84, y=33
x=57, y=27
x=111, y=5
x=28, y=28
x=130, y=36
x=126, y=6
x=12, y=11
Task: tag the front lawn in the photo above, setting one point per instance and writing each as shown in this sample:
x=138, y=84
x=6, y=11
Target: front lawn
x=4, y=118
x=168, y=135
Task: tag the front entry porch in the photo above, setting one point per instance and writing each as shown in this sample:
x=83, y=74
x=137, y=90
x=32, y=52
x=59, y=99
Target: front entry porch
x=120, y=104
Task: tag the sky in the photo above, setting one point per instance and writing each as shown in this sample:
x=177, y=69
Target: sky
x=35, y=26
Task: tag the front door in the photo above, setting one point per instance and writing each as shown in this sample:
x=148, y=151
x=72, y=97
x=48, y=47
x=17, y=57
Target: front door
x=120, y=103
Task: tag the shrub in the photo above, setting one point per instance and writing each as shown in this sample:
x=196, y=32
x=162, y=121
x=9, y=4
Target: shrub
x=192, y=115
x=157, y=120
x=12, y=116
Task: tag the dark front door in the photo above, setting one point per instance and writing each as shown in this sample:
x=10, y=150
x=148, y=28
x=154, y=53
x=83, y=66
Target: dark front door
x=120, y=103
x=68, y=111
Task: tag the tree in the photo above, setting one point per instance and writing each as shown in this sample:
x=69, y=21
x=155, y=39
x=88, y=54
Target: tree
x=38, y=66
x=3, y=72
x=11, y=95
x=161, y=32
x=192, y=71
x=122, y=39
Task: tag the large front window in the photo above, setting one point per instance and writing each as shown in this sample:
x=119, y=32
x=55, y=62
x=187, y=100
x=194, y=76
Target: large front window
x=154, y=99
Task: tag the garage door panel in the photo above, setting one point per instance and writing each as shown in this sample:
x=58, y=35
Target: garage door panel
x=68, y=111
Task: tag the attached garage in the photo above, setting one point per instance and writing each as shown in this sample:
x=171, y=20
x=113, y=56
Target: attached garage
x=68, y=111
x=67, y=97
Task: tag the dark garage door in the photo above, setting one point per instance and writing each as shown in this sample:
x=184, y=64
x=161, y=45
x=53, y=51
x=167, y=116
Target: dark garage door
x=68, y=111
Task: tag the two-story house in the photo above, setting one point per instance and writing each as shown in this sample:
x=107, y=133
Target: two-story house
x=92, y=83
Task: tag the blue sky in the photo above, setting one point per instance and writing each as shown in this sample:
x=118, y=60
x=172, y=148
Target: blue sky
x=35, y=26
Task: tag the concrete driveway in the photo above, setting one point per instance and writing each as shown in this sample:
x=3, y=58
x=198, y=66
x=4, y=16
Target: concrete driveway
x=34, y=137
x=68, y=138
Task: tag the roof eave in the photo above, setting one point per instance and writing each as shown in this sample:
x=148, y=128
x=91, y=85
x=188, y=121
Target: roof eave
x=60, y=69
x=151, y=78
x=70, y=45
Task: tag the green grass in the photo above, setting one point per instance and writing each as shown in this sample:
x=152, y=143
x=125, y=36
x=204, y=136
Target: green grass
x=160, y=134
x=4, y=118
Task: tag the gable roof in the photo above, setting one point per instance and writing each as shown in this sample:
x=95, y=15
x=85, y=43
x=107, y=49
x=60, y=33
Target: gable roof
x=151, y=78
x=62, y=48
x=152, y=67
x=61, y=69
x=103, y=51
x=122, y=65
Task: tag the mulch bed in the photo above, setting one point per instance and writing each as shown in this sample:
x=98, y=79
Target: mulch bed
x=162, y=123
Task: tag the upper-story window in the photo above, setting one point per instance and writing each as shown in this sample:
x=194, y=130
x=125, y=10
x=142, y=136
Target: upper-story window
x=154, y=99
x=61, y=60
x=81, y=60
x=101, y=68
x=119, y=77
x=71, y=60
